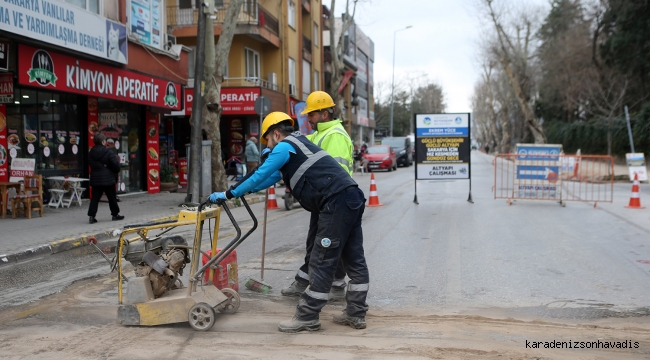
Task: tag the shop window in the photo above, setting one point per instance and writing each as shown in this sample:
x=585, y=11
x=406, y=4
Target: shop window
x=123, y=125
x=46, y=126
x=90, y=5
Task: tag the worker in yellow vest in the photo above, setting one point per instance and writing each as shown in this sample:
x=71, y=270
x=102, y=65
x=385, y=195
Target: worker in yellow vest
x=330, y=136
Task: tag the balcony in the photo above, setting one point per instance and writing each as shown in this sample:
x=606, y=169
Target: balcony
x=253, y=20
x=249, y=82
x=306, y=48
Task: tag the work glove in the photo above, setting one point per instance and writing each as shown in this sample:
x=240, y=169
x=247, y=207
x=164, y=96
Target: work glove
x=216, y=196
x=265, y=153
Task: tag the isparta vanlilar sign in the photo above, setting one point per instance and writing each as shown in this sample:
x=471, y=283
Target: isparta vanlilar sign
x=61, y=24
x=50, y=70
x=442, y=146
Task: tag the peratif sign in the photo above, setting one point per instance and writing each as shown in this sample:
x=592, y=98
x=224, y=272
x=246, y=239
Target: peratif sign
x=47, y=69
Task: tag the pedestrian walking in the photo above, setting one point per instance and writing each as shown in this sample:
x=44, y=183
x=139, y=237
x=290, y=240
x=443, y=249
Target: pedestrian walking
x=104, y=167
x=252, y=154
x=330, y=136
x=321, y=186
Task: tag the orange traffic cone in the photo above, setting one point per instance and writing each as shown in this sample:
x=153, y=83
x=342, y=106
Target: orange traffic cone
x=273, y=204
x=374, y=199
x=635, y=201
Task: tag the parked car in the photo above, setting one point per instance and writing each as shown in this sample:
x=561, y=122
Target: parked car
x=403, y=147
x=380, y=157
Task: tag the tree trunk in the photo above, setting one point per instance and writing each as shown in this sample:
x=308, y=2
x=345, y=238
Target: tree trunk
x=504, y=120
x=213, y=79
x=507, y=51
x=531, y=121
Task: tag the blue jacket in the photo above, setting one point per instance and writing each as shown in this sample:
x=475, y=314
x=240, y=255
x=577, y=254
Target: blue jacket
x=309, y=171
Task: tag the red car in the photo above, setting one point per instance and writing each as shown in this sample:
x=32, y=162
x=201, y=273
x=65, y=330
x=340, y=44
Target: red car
x=380, y=157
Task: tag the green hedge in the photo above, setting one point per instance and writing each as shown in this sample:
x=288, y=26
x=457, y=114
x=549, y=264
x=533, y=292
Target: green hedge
x=591, y=137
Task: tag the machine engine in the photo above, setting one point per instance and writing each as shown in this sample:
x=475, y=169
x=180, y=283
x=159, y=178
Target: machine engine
x=160, y=261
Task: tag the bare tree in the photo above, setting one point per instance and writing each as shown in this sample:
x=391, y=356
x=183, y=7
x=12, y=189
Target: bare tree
x=337, y=50
x=514, y=51
x=215, y=65
x=605, y=86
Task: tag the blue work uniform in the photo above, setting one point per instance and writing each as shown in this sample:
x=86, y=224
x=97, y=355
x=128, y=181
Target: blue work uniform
x=321, y=186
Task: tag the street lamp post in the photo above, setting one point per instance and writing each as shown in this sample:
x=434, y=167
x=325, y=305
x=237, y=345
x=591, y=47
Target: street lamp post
x=392, y=88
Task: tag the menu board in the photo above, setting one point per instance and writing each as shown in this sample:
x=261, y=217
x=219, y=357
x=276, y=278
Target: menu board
x=236, y=145
x=182, y=169
x=153, y=158
x=93, y=119
x=4, y=156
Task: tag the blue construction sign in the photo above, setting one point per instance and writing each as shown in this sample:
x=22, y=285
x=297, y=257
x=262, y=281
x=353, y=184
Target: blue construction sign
x=535, y=172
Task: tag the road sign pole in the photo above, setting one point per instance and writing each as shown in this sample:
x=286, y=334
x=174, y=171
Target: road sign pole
x=415, y=168
x=262, y=106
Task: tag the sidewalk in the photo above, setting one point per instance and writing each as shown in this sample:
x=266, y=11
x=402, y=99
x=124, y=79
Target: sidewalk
x=67, y=228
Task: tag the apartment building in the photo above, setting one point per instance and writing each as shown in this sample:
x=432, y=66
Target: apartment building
x=357, y=83
x=276, y=52
x=72, y=68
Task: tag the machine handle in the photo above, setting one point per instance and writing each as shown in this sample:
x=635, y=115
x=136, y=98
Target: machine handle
x=221, y=203
x=234, y=243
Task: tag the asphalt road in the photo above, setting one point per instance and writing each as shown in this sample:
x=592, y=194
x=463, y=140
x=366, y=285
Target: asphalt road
x=445, y=255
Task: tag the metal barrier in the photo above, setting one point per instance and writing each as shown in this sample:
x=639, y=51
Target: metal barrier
x=561, y=178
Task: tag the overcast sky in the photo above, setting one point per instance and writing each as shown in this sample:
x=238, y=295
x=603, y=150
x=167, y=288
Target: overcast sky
x=441, y=43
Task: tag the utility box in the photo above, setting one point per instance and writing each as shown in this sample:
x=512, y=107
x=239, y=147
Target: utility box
x=205, y=175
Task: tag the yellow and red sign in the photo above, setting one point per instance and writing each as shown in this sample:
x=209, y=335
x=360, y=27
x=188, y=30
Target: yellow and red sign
x=153, y=157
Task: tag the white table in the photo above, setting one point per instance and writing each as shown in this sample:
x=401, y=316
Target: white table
x=58, y=192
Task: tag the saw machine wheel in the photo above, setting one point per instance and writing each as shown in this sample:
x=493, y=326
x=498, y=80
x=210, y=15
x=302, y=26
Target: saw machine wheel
x=231, y=305
x=202, y=317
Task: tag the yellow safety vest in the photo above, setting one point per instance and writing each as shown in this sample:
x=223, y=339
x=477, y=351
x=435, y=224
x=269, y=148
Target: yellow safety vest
x=332, y=137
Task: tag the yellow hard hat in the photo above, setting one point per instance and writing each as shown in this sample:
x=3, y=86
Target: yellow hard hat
x=271, y=119
x=318, y=100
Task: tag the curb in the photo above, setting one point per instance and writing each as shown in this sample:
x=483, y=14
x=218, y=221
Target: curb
x=67, y=244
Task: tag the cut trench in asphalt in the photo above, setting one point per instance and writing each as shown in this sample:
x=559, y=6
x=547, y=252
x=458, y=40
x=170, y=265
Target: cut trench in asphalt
x=61, y=327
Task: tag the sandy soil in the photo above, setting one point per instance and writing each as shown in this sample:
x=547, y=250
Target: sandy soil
x=79, y=323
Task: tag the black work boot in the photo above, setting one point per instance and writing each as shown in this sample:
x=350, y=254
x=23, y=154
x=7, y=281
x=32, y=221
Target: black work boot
x=295, y=289
x=92, y=220
x=295, y=325
x=118, y=217
x=354, y=322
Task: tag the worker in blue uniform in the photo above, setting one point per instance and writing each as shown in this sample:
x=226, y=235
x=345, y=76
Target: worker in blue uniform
x=321, y=186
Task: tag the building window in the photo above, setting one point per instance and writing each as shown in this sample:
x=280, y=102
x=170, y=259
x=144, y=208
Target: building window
x=292, y=77
x=316, y=80
x=252, y=63
x=306, y=79
x=90, y=5
x=316, y=35
x=292, y=15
